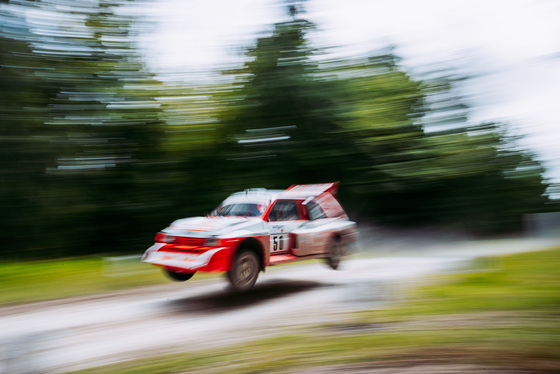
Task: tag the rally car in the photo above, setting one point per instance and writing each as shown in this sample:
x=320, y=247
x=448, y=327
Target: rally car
x=254, y=229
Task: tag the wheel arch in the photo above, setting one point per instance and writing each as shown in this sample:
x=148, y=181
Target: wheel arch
x=253, y=244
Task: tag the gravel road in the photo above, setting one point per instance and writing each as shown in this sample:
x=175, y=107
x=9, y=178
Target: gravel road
x=71, y=334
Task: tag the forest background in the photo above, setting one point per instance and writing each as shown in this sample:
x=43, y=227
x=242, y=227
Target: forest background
x=97, y=153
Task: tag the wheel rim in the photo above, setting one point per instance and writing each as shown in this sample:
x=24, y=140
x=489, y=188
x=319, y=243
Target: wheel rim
x=246, y=270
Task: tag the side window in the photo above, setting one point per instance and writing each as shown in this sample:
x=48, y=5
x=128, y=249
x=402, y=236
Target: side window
x=331, y=206
x=315, y=211
x=284, y=210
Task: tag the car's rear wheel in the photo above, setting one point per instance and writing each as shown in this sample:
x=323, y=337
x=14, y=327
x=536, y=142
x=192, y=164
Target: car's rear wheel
x=245, y=271
x=176, y=276
x=336, y=249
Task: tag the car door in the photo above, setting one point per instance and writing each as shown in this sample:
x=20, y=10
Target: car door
x=313, y=236
x=283, y=218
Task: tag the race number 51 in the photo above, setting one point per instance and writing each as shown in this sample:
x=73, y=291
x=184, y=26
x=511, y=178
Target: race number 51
x=277, y=243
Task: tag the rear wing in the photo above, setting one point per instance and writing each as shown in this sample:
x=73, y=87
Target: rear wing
x=325, y=194
x=307, y=190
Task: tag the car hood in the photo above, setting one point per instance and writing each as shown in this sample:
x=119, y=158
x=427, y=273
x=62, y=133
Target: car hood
x=205, y=227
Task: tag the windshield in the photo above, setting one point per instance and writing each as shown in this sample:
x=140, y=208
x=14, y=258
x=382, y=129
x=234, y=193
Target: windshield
x=240, y=210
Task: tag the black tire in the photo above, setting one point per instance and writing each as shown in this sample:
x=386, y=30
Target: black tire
x=178, y=277
x=336, y=249
x=245, y=271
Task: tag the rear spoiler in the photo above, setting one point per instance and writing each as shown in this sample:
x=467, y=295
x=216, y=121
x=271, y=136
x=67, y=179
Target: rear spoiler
x=314, y=189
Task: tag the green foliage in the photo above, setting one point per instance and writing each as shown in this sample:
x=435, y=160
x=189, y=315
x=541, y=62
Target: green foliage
x=25, y=148
x=471, y=176
x=87, y=108
x=382, y=104
x=97, y=154
x=294, y=117
x=282, y=124
x=109, y=128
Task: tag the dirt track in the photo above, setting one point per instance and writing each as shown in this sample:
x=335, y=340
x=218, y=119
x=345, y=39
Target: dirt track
x=59, y=336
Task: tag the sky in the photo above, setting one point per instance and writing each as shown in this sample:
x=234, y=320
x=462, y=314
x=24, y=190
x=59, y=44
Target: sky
x=510, y=47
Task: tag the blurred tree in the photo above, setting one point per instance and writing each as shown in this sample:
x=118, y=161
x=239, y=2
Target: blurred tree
x=192, y=160
x=383, y=107
x=281, y=126
x=101, y=121
x=108, y=123
x=296, y=118
x=24, y=146
x=96, y=152
x=484, y=182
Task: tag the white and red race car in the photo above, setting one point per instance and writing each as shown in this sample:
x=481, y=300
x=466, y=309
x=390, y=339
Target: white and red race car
x=254, y=229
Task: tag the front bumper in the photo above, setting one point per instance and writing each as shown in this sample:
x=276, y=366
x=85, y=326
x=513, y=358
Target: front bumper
x=216, y=259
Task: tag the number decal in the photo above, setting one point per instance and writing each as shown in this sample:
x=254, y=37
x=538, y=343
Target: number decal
x=278, y=243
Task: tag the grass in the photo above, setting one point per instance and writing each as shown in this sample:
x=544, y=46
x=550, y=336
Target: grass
x=24, y=282
x=520, y=282
x=32, y=281
x=502, y=312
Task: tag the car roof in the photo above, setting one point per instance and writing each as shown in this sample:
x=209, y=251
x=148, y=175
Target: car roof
x=253, y=195
x=295, y=191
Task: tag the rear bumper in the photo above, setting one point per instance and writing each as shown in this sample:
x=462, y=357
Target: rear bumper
x=218, y=259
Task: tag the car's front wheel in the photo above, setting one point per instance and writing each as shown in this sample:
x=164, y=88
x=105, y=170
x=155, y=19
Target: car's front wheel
x=176, y=276
x=245, y=271
x=335, y=250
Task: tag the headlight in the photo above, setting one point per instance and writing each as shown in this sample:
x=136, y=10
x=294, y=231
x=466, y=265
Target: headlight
x=212, y=242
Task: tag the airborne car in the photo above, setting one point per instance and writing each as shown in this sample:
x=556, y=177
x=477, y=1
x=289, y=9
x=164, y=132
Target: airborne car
x=254, y=229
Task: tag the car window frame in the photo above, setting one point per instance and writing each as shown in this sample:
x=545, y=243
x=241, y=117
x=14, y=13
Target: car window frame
x=300, y=213
x=318, y=206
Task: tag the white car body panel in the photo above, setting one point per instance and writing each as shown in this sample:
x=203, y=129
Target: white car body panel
x=282, y=226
